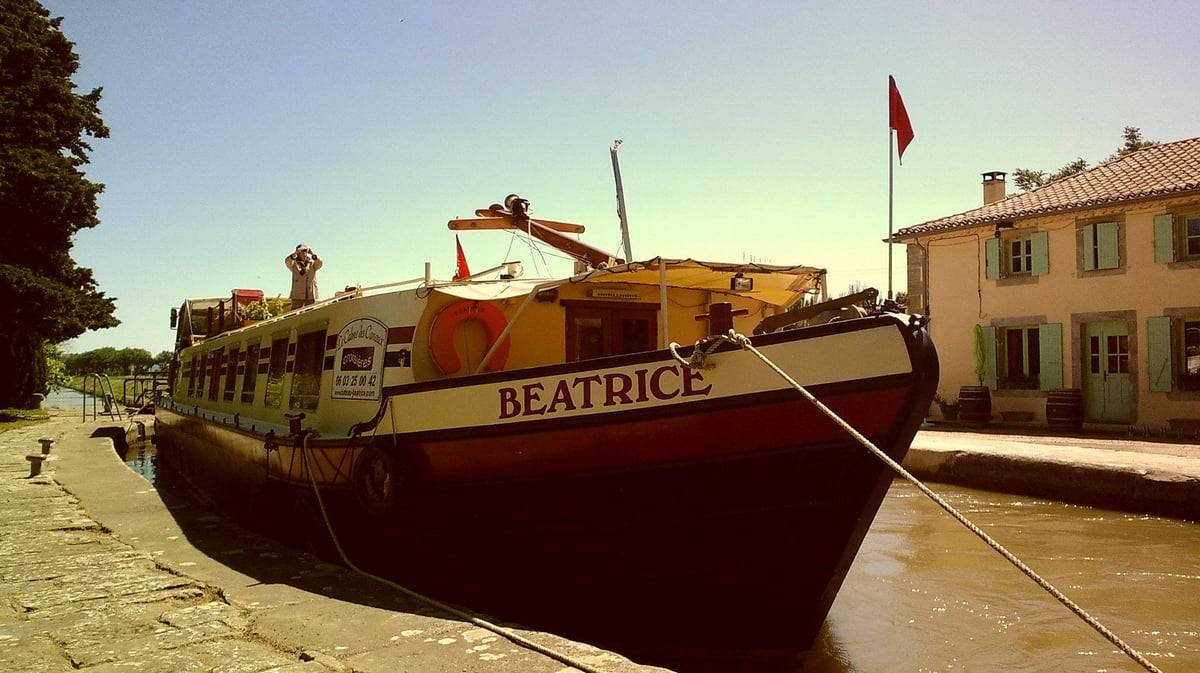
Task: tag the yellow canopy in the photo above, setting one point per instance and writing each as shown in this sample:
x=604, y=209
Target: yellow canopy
x=780, y=286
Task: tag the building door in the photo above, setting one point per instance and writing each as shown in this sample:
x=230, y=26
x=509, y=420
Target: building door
x=1106, y=372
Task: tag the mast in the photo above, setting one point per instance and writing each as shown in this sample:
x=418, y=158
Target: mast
x=620, y=200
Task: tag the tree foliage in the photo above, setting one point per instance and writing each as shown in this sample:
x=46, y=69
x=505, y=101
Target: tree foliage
x=45, y=199
x=1027, y=178
x=108, y=360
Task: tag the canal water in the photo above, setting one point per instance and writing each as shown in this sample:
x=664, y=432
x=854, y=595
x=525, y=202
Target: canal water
x=140, y=457
x=926, y=595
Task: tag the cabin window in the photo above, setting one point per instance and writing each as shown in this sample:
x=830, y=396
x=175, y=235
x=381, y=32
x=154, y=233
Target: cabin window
x=190, y=372
x=231, y=373
x=597, y=329
x=214, y=380
x=250, y=375
x=273, y=396
x=306, y=376
x=200, y=371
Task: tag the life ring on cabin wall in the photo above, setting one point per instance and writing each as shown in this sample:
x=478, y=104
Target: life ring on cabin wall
x=446, y=322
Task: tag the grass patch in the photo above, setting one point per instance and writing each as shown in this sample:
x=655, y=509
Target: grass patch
x=11, y=419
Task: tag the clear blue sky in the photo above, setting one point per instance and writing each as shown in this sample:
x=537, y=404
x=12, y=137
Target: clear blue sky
x=752, y=130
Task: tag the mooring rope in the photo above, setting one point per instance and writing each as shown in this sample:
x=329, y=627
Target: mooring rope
x=511, y=635
x=744, y=343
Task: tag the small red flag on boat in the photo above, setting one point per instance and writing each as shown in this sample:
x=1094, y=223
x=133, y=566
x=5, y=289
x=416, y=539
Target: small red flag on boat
x=898, y=117
x=460, y=266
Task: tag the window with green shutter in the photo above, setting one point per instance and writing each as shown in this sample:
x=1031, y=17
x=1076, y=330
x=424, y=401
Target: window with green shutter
x=1164, y=238
x=1050, y=376
x=1101, y=246
x=1020, y=362
x=985, y=355
x=1174, y=352
x=1177, y=237
x=1039, y=243
x=1158, y=330
x=1017, y=256
x=1189, y=370
x=1191, y=237
x=1020, y=256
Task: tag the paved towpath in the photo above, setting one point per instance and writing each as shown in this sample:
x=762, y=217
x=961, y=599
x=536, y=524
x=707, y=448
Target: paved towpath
x=101, y=572
x=1111, y=471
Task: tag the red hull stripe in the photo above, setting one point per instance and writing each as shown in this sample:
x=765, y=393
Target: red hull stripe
x=676, y=438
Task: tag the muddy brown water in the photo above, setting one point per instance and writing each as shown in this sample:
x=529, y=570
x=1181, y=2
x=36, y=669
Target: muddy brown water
x=926, y=595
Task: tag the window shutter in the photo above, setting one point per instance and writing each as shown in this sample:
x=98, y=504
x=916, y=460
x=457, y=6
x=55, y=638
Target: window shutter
x=1089, y=247
x=1108, y=242
x=992, y=249
x=1164, y=238
x=1050, y=348
x=1158, y=330
x=1041, y=252
x=989, y=357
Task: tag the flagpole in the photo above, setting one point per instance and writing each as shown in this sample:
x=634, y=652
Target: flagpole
x=891, y=160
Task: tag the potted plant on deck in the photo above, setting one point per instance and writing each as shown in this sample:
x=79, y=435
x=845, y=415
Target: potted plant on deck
x=262, y=309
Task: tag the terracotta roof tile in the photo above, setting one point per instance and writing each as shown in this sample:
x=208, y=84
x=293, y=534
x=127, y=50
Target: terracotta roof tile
x=1169, y=168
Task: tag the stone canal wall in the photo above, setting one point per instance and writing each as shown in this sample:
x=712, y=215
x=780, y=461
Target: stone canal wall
x=1159, y=478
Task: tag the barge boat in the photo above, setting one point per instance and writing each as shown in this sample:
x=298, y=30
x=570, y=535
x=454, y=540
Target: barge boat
x=535, y=449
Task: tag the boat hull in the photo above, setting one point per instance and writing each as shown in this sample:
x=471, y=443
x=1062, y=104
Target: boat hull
x=713, y=529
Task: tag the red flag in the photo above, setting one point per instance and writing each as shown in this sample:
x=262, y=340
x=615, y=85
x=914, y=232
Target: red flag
x=898, y=117
x=460, y=266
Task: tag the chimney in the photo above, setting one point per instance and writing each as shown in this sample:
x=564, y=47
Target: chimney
x=993, y=187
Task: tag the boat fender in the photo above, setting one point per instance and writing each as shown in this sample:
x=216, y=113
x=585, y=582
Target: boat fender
x=441, y=333
x=377, y=481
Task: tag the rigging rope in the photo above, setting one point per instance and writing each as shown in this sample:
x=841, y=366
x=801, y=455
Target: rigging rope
x=744, y=343
x=511, y=635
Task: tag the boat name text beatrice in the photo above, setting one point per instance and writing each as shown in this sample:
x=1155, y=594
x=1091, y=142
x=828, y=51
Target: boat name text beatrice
x=607, y=390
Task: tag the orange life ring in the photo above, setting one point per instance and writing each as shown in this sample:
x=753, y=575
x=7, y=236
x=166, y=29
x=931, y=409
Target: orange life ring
x=441, y=333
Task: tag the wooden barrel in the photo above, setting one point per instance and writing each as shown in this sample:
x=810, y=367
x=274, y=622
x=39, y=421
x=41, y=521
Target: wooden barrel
x=1064, y=410
x=974, y=405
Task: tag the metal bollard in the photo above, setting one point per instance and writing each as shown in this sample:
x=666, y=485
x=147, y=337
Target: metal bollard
x=46, y=444
x=35, y=464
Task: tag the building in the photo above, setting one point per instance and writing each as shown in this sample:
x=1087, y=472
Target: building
x=1089, y=283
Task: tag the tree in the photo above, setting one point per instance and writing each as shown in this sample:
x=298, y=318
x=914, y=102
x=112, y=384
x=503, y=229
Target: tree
x=162, y=361
x=56, y=369
x=1027, y=178
x=45, y=199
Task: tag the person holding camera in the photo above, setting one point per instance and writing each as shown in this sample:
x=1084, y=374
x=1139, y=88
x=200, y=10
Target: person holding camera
x=304, y=264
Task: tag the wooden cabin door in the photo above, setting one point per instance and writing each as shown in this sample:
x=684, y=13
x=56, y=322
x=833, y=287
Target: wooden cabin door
x=601, y=329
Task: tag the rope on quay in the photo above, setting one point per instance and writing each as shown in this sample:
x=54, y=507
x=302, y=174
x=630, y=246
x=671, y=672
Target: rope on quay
x=509, y=634
x=744, y=343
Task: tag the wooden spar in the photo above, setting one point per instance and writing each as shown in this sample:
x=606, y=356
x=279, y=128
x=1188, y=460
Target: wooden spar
x=514, y=214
